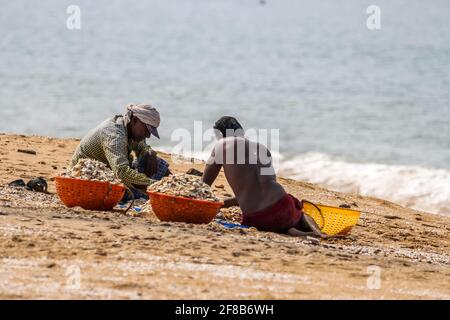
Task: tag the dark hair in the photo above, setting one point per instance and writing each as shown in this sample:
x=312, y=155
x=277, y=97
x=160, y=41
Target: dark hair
x=227, y=123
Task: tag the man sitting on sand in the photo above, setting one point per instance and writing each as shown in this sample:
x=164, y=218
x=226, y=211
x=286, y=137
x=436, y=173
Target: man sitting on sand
x=248, y=169
x=114, y=140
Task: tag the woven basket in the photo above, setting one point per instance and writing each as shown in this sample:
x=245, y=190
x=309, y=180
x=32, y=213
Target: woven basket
x=332, y=220
x=180, y=209
x=90, y=195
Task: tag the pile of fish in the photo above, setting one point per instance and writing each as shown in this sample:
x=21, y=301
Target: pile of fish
x=184, y=185
x=89, y=169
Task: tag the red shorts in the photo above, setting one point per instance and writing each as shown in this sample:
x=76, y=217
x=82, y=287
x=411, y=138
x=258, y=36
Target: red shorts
x=279, y=217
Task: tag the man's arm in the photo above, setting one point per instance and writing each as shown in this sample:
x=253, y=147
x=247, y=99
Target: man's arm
x=141, y=148
x=144, y=150
x=230, y=202
x=212, y=168
x=116, y=152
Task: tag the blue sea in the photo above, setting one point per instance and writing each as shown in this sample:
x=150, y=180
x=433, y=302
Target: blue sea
x=358, y=110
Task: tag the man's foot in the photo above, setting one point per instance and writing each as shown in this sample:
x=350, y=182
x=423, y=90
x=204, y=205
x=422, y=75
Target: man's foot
x=194, y=172
x=307, y=227
x=294, y=232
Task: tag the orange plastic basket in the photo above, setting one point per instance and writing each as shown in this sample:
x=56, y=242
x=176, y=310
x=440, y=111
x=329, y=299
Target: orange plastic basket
x=180, y=209
x=90, y=195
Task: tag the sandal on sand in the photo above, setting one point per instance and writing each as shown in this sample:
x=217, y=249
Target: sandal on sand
x=17, y=183
x=38, y=185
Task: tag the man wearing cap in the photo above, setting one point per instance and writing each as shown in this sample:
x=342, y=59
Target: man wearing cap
x=114, y=141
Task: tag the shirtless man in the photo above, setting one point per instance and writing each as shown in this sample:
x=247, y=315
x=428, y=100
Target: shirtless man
x=249, y=171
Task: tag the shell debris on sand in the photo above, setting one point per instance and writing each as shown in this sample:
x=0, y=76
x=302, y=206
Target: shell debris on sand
x=184, y=185
x=147, y=213
x=17, y=196
x=89, y=169
x=232, y=214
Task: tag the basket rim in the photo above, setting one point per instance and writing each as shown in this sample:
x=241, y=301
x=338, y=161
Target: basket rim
x=322, y=205
x=91, y=181
x=184, y=198
x=331, y=207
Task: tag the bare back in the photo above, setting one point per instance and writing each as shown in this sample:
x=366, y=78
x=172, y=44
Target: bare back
x=249, y=171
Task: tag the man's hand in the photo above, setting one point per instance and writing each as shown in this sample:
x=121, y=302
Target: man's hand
x=151, y=163
x=230, y=202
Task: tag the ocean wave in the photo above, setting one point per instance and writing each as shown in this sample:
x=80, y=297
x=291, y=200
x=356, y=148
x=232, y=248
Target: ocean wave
x=416, y=187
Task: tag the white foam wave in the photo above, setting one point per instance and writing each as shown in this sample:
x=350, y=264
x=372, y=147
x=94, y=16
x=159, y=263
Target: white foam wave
x=416, y=187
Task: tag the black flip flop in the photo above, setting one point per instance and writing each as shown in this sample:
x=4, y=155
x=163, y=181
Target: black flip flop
x=38, y=185
x=17, y=183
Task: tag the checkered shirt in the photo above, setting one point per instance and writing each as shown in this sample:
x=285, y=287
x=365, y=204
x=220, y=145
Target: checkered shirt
x=109, y=143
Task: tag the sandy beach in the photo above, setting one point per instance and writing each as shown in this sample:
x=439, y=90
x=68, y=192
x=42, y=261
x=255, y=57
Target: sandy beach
x=50, y=251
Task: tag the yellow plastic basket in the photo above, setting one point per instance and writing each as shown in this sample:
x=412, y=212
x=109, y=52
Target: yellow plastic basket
x=332, y=220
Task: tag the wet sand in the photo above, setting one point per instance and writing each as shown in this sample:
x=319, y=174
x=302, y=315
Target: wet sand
x=50, y=251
